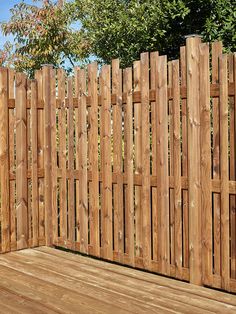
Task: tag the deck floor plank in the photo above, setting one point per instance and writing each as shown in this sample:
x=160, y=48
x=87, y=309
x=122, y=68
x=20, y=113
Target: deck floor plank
x=47, y=280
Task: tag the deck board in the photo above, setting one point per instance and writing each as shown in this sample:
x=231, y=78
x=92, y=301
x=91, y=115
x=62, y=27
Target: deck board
x=47, y=280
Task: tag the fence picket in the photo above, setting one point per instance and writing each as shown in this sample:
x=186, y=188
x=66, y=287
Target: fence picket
x=4, y=155
x=21, y=163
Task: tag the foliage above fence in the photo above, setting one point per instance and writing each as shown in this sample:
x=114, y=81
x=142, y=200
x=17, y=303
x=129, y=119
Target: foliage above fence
x=134, y=165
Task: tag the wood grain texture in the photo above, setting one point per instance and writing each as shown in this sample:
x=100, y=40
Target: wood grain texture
x=145, y=153
x=83, y=182
x=224, y=171
x=21, y=163
x=94, y=187
x=192, y=51
x=4, y=164
x=162, y=165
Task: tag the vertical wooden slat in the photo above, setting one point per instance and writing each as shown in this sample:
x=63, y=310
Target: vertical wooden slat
x=77, y=153
x=177, y=168
x=171, y=167
x=106, y=163
x=206, y=164
x=4, y=164
x=184, y=160
x=224, y=171
x=192, y=50
x=232, y=171
x=21, y=163
x=71, y=194
x=54, y=155
x=94, y=191
x=216, y=52
x=62, y=154
x=145, y=200
x=117, y=159
x=162, y=165
x=34, y=137
x=129, y=218
x=12, y=122
x=153, y=67
x=234, y=237
x=47, y=152
x=83, y=181
x=138, y=162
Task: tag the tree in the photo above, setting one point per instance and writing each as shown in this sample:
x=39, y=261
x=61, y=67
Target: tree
x=125, y=28
x=42, y=34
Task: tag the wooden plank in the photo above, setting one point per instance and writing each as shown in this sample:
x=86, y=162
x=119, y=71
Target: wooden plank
x=40, y=117
x=47, y=75
x=162, y=165
x=145, y=131
x=4, y=164
x=83, y=182
x=224, y=171
x=77, y=153
x=177, y=168
x=34, y=137
x=94, y=187
x=206, y=164
x=232, y=199
x=138, y=162
x=129, y=210
x=62, y=155
x=233, y=239
x=153, y=72
x=107, y=244
x=12, y=122
x=21, y=163
x=192, y=51
x=71, y=192
x=117, y=158
x=216, y=52
x=171, y=166
x=184, y=160
x=54, y=155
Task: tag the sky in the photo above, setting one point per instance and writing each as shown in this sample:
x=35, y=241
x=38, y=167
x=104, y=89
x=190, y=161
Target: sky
x=5, y=6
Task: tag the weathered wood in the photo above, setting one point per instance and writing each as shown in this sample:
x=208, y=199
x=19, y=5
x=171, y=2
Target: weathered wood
x=47, y=75
x=21, y=163
x=177, y=168
x=185, y=206
x=138, y=162
x=106, y=163
x=224, y=171
x=34, y=137
x=153, y=78
x=4, y=164
x=206, y=163
x=94, y=187
x=145, y=153
x=40, y=117
x=12, y=122
x=62, y=154
x=83, y=182
x=162, y=165
x=129, y=217
x=71, y=192
x=117, y=158
x=216, y=52
x=193, y=80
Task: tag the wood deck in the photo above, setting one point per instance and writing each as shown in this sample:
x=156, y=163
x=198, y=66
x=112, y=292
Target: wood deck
x=46, y=280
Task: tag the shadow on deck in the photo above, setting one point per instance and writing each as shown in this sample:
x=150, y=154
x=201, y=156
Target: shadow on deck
x=46, y=280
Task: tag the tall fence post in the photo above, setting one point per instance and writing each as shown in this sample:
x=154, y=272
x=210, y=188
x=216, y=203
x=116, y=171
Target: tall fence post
x=21, y=163
x=194, y=170
x=47, y=70
x=4, y=161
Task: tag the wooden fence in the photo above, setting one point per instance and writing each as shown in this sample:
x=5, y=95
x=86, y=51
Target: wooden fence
x=135, y=166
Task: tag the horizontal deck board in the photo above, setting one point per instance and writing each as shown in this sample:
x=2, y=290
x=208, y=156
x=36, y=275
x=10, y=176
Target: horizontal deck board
x=53, y=281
